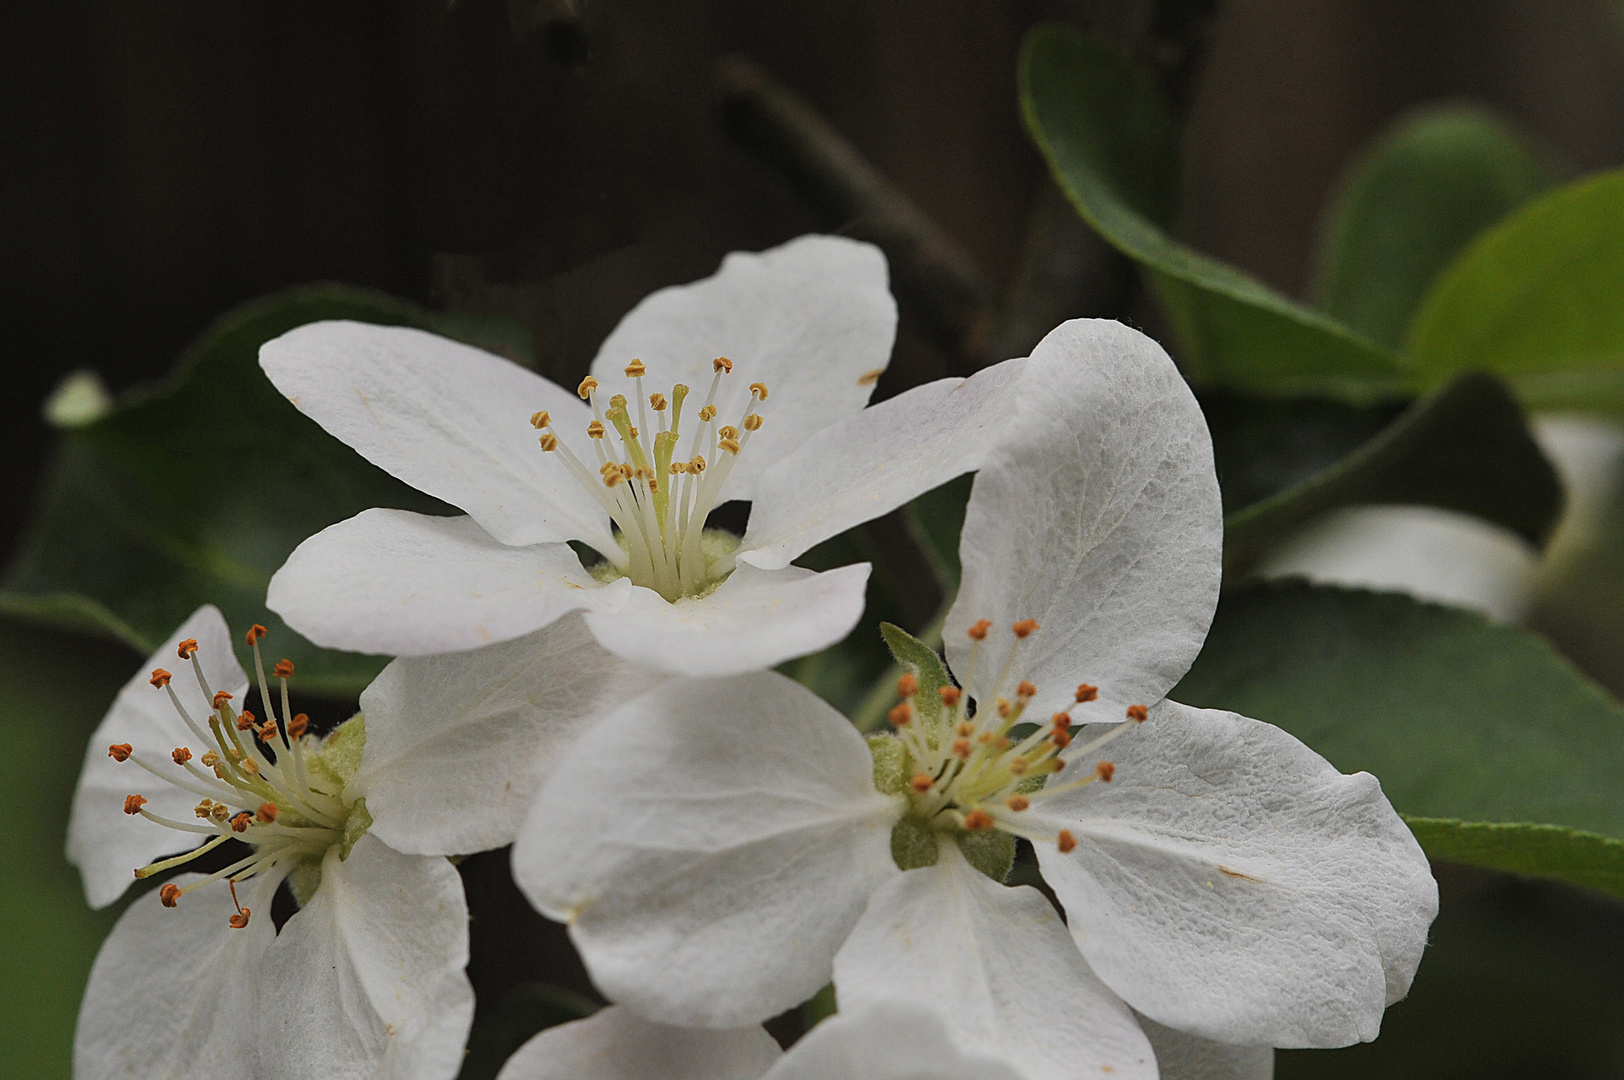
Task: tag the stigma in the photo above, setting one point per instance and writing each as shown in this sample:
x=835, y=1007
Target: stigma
x=264, y=783
x=657, y=491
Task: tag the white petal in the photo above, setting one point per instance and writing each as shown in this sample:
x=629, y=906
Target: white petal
x=871, y=463
x=996, y=964
x=711, y=844
x=755, y=619
x=617, y=1044
x=105, y=843
x=813, y=319
x=367, y=979
x=1229, y=882
x=446, y=418
x=1430, y=553
x=886, y=1042
x=389, y=581
x=1182, y=1056
x=173, y=990
x=458, y=744
x=1099, y=517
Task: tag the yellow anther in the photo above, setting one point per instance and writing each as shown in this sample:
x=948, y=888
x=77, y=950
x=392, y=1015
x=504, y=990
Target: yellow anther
x=759, y=390
x=676, y=467
x=220, y=812
x=707, y=413
x=627, y=471
x=540, y=420
x=697, y=465
x=595, y=430
x=611, y=479
x=730, y=445
x=549, y=441
x=204, y=809
x=636, y=370
x=588, y=385
x=657, y=402
x=209, y=759
x=727, y=431
x=752, y=422
x=721, y=363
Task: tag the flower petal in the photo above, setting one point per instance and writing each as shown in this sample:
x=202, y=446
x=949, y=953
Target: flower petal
x=458, y=744
x=173, y=991
x=1182, y=1056
x=1229, y=882
x=389, y=581
x=710, y=844
x=886, y=1042
x=105, y=843
x=447, y=418
x=754, y=619
x=813, y=319
x=871, y=463
x=367, y=979
x=998, y=968
x=617, y=1044
x=1098, y=517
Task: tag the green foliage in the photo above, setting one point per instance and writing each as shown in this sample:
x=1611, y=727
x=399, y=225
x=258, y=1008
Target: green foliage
x=1111, y=143
x=1500, y=753
x=196, y=492
x=1410, y=204
x=501, y=1029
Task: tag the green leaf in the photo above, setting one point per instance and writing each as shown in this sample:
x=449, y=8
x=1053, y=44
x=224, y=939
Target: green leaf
x=1111, y=142
x=1494, y=747
x=1537, y=299
x=1407, y=207
x=196, y=491
x=527, y=1010
x=1466, y=448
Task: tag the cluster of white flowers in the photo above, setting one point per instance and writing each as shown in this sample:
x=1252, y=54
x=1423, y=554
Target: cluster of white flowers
x=721, y=842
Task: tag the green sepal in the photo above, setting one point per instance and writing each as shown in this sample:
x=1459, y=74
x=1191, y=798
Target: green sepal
x=914, y=843
x=304, y=881
x=890, y=764
x=991, y=852
x=355, y=827
x=921, y=661
x=340, y=753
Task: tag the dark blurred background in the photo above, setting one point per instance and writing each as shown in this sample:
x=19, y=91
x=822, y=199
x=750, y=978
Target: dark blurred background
x=166, y=160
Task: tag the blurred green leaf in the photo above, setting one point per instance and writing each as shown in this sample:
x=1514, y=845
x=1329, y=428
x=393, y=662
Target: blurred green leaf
x=1407, y=207
x=196, y=492
x=54, y=689
x=528, y=1010
x=1494, y=747
x=1466, y=447
x=1111, y=143
x=1537, y=300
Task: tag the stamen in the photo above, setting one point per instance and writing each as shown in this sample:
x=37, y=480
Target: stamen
x=254, y=634
x=721, y=364
x=239, y=920
x=160, y=678
x=1025, y=628
x=283, y=669
x=908, y=685
x=758, y=390
x=1065, y=841
x=1105, y=770
x=1086, y=693
x=541, y=420
x=635, y=370
x=588, y=385
x=133, y=804
x=168, y=894
x=221, y=698
x=120, y=751
x=978, y=630
x=949, y=695
x=267, y=812
x=978, y=820
x=1138, y=713
x=186, y=649
x=181, y=755
x=921, y=783
x=901, y=714
x=1017, y=803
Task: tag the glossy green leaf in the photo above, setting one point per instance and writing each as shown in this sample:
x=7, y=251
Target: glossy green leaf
x=197, y=491
x=1466, y=447
x=1110, y=141
x=1496, y=749
x=1537, y=300
x=1407, y=207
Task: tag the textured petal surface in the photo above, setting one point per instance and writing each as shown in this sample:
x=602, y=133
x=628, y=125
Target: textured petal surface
x=1099, y=517
x=754, y=619
x=458, y=744
x=997, y=966
x=1182, y=1056
x=617, y=1044
x=172, y=991
x=813, y=319
x=389, y=581
x=446, y=418
x=710, y=844
x=1229, y=882
x=367, y=979
x=886, y=1042
x=870, y=464
x=105, y=843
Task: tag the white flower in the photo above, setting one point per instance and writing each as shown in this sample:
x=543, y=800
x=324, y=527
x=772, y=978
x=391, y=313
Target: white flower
x=888, y=1042
x=721, y=848
x=535, y=466
x=365, y=980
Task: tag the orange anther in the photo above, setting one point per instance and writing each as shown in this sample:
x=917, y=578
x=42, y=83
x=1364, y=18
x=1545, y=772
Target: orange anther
x=548, y=442
x=120, y=751
x=168, y=894
x=1024, y=628
x=1060, y=720
x=588, y=385
x=186, y=648
x=1017, y=767
x=240, y=920
x=984, y=738
x=721, y=363
x=1060, y=737
x=759, y=389
x=636, y=370
x=246, y=720
x=1004, y=708
x=965, y=728
x=1105, y=770
x=181, y=755
x=220, y=698
x=978, y=820
x=1065, y=841
x=978, y=630
x=282, y=670
x=594, y=430
x=657, y=402
x=1017, y=803
x=267, y=731
x=254, y=634
x=133, y=804
x=1085, y=692
x=921, y=783
x=752, y=422
x=1138, y=712
x=240, y=820
x=901, y=714
x=908, y=685
x=160, y=678
x=1026, y=691
x=961, y=748
x=949, y=695
x=267, y=812
x=541, y=419
x=298, y=726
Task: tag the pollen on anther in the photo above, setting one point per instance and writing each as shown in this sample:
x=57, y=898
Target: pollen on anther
x=1017, y=803
x=727, y=431
x=548, y=442
x=298, y=725
x=588, y=385
x=1004, y=707
x=255, y=633
x=283, y=669
x=949, y=695
x=267, y=731
x=1017, y=767
x=204, y=809
x=759, y=389
x=1025, y=628
x=240, y=820
x=978, y=629
x=120, y=751
x=636, y=370
x=961, y=748
x=978, y=820
x=1086, y=692
x=752, y=422
x=708, y=413
x=1138, y=712
x=901, y=714
x=1026, y=691
x=657, y=402
x=721, y=363
x=594, y=430
x=908, y=685
x=921, y=783
x=160, y=678
x=267, y=812
x=186, y=648
x=1060, y=737
x=246, y=720
x=221, y=697
x=540, y=420
x=181, y=755
x=730, y=445
x=965, y=728
x=133, y=804
x=1060, y=720
x=169, y=894
x=240, y=920
x=1105, y=770
x=1065, y=841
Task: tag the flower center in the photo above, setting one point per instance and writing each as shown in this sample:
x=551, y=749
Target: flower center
x=658, y=500
x=267, y=783
x=969, y=772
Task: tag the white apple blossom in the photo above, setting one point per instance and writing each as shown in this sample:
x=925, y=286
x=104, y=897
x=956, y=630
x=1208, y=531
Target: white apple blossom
x=631, y=473
x=720, y=849
x=364, y=980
